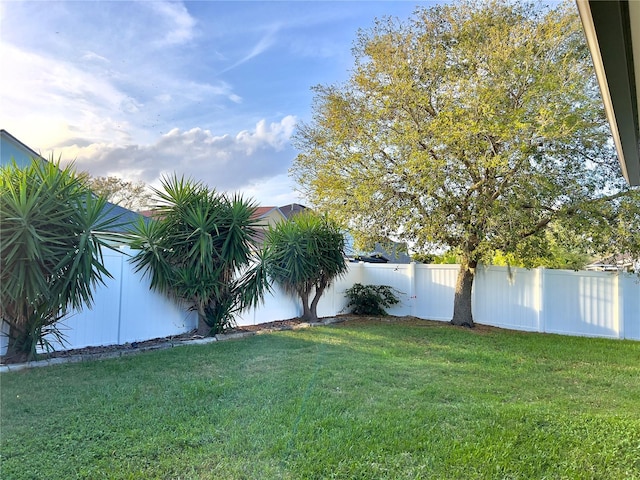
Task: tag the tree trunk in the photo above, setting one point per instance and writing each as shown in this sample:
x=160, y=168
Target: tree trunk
x=19, y=348
x=462, y=313
x=203, y=329
x=307, y=314
x=308, y=310
x=316, y=299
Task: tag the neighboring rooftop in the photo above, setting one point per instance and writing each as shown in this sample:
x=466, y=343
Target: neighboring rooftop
x=615, y=263
x=12, y=149
x=292, y=209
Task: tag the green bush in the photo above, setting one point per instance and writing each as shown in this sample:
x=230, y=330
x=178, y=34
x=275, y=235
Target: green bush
x=50, y=255
x=304, y=255
x=198, y=249
x=371, y=299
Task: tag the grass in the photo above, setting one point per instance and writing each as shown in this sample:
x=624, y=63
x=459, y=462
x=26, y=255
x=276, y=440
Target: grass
x=395, y=399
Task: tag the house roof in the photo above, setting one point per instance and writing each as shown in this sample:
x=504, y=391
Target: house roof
x=264, y=211
x=292, y=209
x=612, y=29
x=13, y=149
x=618, y=262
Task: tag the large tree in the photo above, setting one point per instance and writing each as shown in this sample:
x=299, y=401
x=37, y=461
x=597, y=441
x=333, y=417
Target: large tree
x=471, y=125
x=50, y=257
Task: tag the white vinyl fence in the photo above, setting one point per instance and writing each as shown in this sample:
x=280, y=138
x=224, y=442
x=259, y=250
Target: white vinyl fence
x=125, y=310
x=594, y=304
x=598, y=304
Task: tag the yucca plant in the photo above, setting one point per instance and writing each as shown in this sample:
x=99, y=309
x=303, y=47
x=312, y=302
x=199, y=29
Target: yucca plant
x=199, y=249
x=50, y=257
x=304, y=255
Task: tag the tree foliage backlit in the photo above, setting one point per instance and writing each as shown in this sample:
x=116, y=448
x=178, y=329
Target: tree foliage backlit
x=473, y=126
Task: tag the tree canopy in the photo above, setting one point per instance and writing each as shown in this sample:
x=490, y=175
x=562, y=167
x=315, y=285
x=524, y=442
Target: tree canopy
x=476, y=126
x=128, y=194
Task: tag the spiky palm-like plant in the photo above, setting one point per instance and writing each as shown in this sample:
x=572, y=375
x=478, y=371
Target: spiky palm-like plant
x=199, y=248
x=50, y=257
x=304, y=255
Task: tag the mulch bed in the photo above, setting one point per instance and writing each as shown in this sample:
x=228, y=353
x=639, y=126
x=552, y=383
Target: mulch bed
x=162, y=341
x=269, y=326
x=278, y=325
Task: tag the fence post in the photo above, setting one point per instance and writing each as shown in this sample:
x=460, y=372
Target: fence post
x=412, y=288
x=541, y=310
x=120, y=282
x=360, y=274
x=618, y=307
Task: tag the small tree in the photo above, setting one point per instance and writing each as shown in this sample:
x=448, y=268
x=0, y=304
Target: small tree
x=304, y=255
x=127, y=194
x=197, y=249
x=50, y=258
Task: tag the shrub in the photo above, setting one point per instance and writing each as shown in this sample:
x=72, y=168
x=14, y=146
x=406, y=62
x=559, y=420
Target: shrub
x=50, y=255
x=198, y=248
x=371, y=299
x=304, y=255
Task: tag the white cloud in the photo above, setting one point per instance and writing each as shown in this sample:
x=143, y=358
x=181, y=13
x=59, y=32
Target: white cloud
x=224, y=162
x=176, y=20
x=48, y=100
x=120, y=85
x=265, y=42
x=93, y=56
x=163, y=98
x=276, y=135
x=275, y=191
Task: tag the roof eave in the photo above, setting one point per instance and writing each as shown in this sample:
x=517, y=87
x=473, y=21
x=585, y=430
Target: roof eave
x=612, y=30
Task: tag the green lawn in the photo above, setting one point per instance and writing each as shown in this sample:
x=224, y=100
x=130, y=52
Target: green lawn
x=393, y=399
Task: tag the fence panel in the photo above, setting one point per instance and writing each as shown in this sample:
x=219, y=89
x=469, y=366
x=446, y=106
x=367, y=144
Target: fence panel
x=146, y=314
x=580, y=303
x=124, y=310
x=398, y=276
x=434, y=291
x=334, y=302
x=507, y=298
x=4, y=337
x=555, y=301
x=629, y=294
x=97, y=325
x=277, y=305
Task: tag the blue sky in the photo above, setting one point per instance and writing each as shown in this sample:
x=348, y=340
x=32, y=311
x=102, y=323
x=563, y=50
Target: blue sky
x=210, y=90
